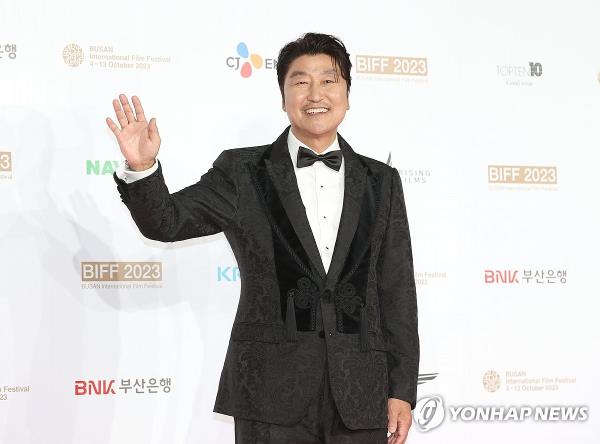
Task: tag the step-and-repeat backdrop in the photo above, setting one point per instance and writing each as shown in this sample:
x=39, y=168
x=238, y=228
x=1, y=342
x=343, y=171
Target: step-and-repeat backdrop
x=489, y=110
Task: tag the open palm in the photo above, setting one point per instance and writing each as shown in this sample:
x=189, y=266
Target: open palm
x=138, y=139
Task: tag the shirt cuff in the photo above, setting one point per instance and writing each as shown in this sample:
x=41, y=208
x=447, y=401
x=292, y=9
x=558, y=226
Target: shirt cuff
x=128, y=175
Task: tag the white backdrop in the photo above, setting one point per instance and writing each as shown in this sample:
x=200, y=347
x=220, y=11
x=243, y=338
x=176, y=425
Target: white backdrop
x=506, y=263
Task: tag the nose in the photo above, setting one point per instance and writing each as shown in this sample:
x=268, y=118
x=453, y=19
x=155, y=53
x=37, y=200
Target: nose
x=315, y=94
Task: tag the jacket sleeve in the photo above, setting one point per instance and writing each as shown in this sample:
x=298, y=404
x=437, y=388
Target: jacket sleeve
x=204, y=208
x=398, y=300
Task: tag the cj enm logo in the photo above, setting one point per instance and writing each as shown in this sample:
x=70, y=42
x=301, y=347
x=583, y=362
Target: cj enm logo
x=246, y=62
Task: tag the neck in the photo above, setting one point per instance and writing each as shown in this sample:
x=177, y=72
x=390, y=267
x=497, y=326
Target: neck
x=319, y=143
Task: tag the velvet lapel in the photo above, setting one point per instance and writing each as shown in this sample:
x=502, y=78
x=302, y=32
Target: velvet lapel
x=354, y=188
x=281, y=171
x=278, y=165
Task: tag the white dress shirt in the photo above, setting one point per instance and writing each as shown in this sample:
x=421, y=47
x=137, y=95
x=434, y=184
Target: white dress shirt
x=321, y=189
x=322, y=192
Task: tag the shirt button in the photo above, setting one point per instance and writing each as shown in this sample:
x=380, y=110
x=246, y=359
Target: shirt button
x=331, y=332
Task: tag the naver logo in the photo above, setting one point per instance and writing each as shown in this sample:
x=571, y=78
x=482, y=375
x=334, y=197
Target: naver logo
x=100, y=167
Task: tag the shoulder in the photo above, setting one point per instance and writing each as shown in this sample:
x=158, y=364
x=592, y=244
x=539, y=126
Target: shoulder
x=232, y=159
x=381, y=171
x=376, y=166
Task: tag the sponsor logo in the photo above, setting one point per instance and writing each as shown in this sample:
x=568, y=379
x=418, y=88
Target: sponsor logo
x=391, y=68
x=228, y=274
x=526, y=276
x=391, y=65
x=110, y=387
x=520, y=381
x=100, y=167
x=101, y=275
x=6, y=165
x=426, y=377
x=491, y=381
x=246, y=63
x=429, y=277
x=72, y=55
x=105, y=57
x=9, y=391
x=8, y=51
x=520, y=75
x=411, y=176
x=518, y=174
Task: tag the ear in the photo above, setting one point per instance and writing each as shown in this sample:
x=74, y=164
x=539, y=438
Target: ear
x=283, y=104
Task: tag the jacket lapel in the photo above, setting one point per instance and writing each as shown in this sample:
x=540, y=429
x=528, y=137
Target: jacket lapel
x=354, y=185
x=279, y=167
x=281, y=171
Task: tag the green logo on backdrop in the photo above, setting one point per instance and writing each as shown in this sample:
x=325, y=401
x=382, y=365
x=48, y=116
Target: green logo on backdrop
x=100, y=167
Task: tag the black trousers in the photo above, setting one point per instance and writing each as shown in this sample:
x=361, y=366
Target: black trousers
x=321, y=424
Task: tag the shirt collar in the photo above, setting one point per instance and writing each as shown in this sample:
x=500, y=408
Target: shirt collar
x=294, y=145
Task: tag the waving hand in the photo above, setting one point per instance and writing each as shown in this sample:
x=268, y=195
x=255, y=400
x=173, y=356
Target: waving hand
x=138, y=139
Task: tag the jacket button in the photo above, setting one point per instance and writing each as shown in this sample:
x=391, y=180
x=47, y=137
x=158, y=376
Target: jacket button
x=331, y=332
x=322, y=333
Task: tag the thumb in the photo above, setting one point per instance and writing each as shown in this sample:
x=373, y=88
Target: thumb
x=153, y=131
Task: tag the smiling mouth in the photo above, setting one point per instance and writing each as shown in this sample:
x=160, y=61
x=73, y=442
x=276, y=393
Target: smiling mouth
x=316, y=111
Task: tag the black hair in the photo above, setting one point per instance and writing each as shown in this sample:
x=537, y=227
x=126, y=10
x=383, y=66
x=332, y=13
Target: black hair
x=313, y=43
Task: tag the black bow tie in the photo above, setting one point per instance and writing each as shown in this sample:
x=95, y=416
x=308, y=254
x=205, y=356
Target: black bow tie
x=306, y=157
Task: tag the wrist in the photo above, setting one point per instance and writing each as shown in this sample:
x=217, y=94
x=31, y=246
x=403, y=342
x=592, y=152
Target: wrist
x=139, y=167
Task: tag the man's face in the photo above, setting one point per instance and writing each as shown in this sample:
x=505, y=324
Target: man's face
x=315, y=99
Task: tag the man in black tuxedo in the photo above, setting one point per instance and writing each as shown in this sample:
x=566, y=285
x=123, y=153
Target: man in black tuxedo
x=325, y=345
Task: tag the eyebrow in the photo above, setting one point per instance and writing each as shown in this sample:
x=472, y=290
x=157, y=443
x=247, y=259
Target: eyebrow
x=303, y=73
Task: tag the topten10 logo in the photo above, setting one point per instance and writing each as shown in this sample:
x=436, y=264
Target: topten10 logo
x=246, y=62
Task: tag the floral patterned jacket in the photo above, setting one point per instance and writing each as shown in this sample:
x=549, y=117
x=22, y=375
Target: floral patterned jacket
x=271, y=370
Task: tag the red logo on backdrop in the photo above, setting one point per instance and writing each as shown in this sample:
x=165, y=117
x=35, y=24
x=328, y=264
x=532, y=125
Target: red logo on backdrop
x=99, y=387
x=501, y=276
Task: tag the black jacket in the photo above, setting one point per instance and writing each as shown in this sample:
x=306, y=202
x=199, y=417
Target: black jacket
x=368, y=296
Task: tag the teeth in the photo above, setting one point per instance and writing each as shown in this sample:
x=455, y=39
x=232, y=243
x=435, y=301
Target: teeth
x=316, y=110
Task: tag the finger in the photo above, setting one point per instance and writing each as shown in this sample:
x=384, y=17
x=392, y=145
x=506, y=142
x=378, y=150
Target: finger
x=153, y=131
x=114, y=128
x=139, y=110
x=127, y=108
x=402, y=432
x=392, y=423
x=120, y=114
